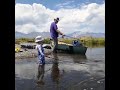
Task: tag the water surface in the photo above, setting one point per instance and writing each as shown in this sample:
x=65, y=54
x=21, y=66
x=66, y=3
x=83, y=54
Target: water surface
x=63, y=72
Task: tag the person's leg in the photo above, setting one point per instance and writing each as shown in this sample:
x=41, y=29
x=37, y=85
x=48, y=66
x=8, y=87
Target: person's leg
x=55, y=40
x=43, y=60
x=38, y=75
x=42, y=71
x=40, y=59
x=56, y=43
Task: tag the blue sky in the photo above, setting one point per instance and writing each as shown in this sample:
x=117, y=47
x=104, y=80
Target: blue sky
x=75, y=15
x=53, y=4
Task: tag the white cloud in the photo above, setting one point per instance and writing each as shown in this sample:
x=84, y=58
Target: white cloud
x=36, y=17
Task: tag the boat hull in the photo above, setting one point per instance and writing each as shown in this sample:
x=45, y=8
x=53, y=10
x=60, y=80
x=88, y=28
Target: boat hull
x=72, y=49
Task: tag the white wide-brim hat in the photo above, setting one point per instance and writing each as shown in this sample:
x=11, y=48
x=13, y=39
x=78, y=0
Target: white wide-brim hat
x=38, y=39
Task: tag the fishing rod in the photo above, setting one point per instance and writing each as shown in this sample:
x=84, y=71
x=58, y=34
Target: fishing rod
x=76, y=39
x=70, y=37
x=66, y=36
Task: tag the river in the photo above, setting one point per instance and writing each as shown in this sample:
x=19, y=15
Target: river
x=63, y=72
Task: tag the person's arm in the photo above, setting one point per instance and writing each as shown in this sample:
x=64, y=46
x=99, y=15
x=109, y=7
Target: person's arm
x=40, y=49
x=56, y=28
x=59, y=32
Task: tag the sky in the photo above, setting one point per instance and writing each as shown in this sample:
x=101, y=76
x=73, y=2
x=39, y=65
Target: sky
x=75, y=15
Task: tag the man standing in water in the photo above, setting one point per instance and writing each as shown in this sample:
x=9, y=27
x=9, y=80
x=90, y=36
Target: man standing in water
x=54, y=34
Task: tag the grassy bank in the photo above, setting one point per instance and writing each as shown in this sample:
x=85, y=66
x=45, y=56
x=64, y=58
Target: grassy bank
x=28, y=40
x=87, y=41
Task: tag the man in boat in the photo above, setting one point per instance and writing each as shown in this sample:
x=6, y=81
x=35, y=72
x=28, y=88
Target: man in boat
x=76, y=43
x=54, y=34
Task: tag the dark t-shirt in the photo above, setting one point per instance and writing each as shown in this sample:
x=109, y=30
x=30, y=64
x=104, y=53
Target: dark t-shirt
x=53, y=32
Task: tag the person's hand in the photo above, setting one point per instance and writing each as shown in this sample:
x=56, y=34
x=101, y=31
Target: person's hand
x=63, y=35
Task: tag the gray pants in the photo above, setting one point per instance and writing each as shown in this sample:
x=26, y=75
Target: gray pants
x=55, y=40
x=41, y=71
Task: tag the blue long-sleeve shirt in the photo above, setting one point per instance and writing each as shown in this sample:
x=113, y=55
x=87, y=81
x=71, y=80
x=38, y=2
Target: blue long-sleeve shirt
x=41, y=55
x=40, y=50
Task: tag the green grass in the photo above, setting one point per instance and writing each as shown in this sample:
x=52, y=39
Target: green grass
x=21, y=40
x=87, y=41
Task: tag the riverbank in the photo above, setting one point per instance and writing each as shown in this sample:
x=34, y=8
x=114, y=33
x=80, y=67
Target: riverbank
x=84, y=40
x=29, y=53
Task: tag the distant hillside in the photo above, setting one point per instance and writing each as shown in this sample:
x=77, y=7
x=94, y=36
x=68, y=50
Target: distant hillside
x=76, y=34
x=79, y=34
x=32, y=35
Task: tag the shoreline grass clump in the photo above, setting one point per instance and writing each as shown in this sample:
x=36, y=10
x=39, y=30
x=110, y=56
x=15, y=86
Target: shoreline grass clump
x=87, y=41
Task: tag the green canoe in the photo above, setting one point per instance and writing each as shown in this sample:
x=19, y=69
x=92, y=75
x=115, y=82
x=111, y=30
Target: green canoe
x=72, y=49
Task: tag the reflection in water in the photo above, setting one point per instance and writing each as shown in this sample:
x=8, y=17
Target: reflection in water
x=89, y=76
x=79, y=58
x=55, y=74
x=41, y=71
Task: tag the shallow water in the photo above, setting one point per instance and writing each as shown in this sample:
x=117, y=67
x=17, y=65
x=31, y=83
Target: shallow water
x=63, y=72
